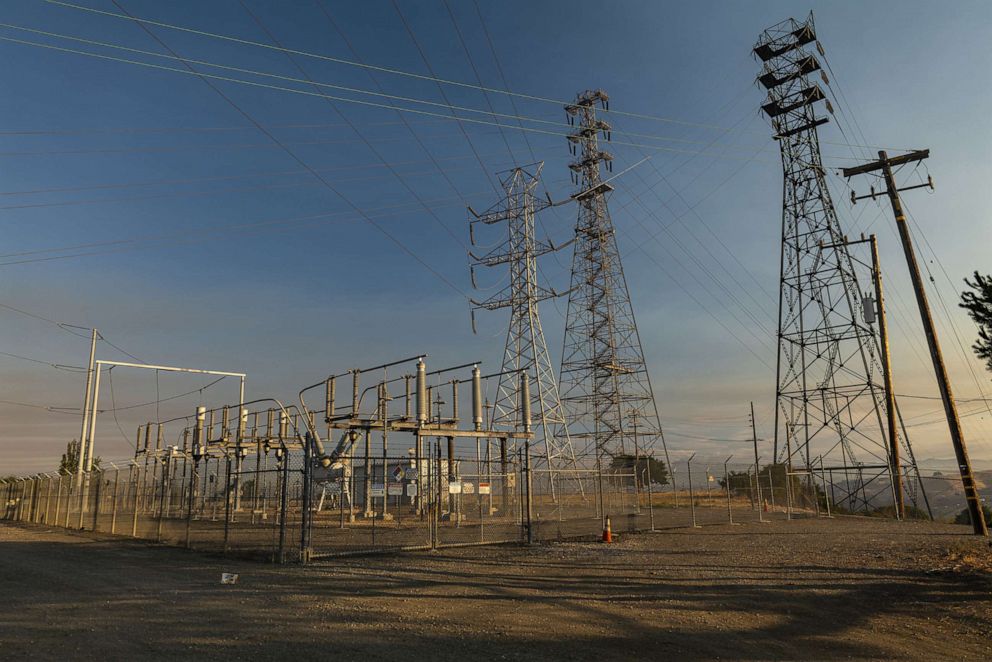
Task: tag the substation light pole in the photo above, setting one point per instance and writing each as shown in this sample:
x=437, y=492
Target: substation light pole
x=884, y=163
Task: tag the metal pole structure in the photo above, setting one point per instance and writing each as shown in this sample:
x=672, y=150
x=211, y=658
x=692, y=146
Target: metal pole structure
x=823, y=479
x=637, y=462
x=890, y=396
x=885, y=164
x=529, y=496
x=113, y=514
x=757, y=467
x=96, y=404
x=726, y=479
x=86, y=407
x=692, y=500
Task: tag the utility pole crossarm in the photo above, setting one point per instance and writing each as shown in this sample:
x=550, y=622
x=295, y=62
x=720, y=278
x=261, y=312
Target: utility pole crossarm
x=911, y=157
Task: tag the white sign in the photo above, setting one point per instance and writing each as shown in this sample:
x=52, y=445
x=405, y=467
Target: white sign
x=454, y=487
x=484, y=488
x=468, y=488
x=378, y=490
x=228, y=578
x=411, y=489
x=395, y=489
x=411, y=473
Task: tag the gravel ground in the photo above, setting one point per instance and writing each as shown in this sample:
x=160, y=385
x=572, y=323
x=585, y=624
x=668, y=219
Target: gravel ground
x=812, y=589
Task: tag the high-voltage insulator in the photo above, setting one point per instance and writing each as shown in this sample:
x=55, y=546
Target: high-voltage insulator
x=423, y=406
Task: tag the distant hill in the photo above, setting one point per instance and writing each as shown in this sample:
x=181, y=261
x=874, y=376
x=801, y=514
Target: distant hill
x=946, y=494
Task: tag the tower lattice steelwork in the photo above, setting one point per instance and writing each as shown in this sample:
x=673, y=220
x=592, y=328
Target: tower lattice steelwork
x=604, y=380
x=526, y=349
x=830, y=402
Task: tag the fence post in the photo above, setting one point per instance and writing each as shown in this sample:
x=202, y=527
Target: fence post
x=135, y=473
x=96, y=500
x=283, y=497
x=692, y=498
x=650, y=496
x=528, y=496
x=305, y=517
x=84, y=485
x=68, y=500
x=788, y=494
x=48, y=499
x=161, y=498
x=599, y=486
x=227, y=496
x=113, y=514
x=58, y=501
x=33, y=509
x=726, y=480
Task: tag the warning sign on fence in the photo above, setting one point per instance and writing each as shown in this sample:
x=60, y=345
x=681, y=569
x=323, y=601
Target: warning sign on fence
x=411, y=489
x=395, y=489
x=378, y=490
x=398, y=473
x=454, y=487
x=411, y=473
x=484, y=488
x=468, y=488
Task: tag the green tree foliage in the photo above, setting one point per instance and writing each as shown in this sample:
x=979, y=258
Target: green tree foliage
x=964, y=517
x=655, y=468
x=978, y=303
x=69, y=463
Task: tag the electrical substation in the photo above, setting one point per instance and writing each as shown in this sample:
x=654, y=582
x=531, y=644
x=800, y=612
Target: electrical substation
x=413, y=453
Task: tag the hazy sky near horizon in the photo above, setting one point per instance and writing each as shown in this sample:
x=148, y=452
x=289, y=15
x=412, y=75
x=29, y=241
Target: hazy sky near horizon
x=137, y=200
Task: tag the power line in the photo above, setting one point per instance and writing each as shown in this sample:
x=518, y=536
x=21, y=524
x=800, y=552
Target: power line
x=48, y=408
x=390, y=70
x=440, y=81
x=194, y=180
x=179, y=129
x=343, y=99
x=187, y=239
x=332, y=188
x=358, y=133
x=343, y=88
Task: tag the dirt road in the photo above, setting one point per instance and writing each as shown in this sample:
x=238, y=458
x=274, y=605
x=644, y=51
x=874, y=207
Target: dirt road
x=822, y=589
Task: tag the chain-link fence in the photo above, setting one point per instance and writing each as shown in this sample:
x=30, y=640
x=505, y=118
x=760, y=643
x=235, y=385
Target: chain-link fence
x=268, y=505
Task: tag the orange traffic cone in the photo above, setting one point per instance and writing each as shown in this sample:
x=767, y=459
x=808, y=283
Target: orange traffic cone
x=607, y=531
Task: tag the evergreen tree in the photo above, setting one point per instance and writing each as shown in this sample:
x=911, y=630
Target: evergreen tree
x=978, y=303
x=69, y=463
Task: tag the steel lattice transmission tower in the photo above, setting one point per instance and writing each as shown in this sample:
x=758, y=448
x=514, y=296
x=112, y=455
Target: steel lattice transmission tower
x=604, y=380
x=830, y=399
x=526, y=349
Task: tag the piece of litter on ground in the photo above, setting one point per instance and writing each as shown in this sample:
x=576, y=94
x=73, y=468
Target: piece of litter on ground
x=228, y=578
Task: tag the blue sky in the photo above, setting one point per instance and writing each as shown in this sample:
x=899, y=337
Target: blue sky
x=236, y=258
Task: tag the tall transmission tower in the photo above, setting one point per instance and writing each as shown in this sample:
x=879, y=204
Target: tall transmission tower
x=830, y=402
x=526, y=349
x=604, y=380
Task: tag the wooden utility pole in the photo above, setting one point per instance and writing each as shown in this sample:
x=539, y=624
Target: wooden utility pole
x=885, y=164
x=895, y=467
x=757, y=468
